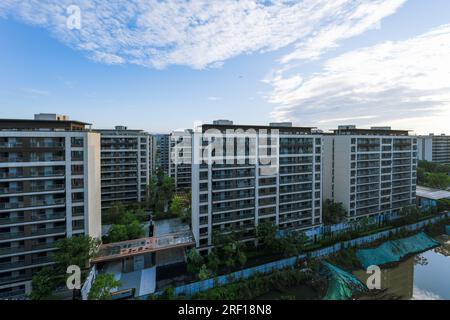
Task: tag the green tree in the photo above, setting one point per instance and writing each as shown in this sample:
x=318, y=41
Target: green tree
x=102, y=287
x=233, y=254
x=176, y=206
x=43, y=284
x=160, y=192
x=213, y=262
x=114, y=213
x=167, y=190
x=122, y=232
x=266, y=233
x=332, y=212
x=443, y=204
x=194, y=261
x=421, y=177
x=204, y=273
x=135, y=230
x=241, y=258
x=438, y=180
x=141, y=214
x=77, y=250
x=117, y=233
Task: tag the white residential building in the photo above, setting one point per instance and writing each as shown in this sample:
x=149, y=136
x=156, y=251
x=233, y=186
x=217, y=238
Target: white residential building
x=370, y=171
x=126, y=162
x=434, y=148
x=161, y=146
x=180, y=159
x=244, y=175
x=49, y=189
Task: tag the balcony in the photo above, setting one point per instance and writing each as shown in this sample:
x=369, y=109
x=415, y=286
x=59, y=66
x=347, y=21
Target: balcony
x=14, y=250
x=6, y=280
x=46, y=144
x=44, y=203
x=22, y=263
x=10, y=190
x=20, y=219
x=39, y=232
x=11, y=205
x=11, y=145
x=218, y=219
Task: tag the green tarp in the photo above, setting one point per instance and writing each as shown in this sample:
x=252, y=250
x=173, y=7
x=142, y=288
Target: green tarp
x=395, y=250
x=341, y=284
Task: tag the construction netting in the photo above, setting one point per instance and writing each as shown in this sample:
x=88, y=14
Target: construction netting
x=341, y=284
x=395, y=250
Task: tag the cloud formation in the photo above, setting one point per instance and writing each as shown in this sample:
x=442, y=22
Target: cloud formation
x=404, y=84
x=422, y=294
x=201, y=33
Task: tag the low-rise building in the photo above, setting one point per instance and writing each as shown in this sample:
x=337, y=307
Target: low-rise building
x=146, y=265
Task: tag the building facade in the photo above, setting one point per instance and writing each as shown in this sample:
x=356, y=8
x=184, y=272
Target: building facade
x=161, y=143
x=126, y=165
x=370, y=171
x=245, y=175
x=434, y=148
x=49, y=189
x=180, y=159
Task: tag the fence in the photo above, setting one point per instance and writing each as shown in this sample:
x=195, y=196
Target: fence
x=347, y=226
x=196, y=287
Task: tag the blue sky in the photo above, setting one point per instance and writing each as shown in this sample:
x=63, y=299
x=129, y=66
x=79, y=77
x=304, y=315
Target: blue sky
x=161, y=65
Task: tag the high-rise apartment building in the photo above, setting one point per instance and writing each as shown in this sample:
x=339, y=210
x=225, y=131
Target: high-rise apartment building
x=161, y=145
x=126, y=160
x=180, y=156
x=434, y=148
x=370, y=171
x=49, y=189
x=245, y=175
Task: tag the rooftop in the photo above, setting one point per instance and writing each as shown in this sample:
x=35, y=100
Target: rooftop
x=168, y=234
x=283, y=127
x=382, y=131
x=434, y=194
x=39, y=124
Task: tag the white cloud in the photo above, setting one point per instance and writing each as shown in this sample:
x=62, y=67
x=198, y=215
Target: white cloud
x=402, y=83
x=214, y=98
x=201, y=33
x=421, y=294
x=35, y=92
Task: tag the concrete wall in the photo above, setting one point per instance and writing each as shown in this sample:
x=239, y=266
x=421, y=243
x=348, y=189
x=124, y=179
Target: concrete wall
x=93, y=214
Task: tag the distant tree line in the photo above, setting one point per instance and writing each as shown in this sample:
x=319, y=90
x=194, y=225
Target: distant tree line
x=433, y=175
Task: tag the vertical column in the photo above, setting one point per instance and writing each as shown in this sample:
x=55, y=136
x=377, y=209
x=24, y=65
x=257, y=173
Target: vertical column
x=68, y=165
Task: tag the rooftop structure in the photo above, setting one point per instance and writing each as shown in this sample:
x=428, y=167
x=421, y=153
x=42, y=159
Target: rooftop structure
x=433, y=194
x=382, y=131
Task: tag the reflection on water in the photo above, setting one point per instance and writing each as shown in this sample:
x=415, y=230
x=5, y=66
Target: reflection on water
x=422, y=277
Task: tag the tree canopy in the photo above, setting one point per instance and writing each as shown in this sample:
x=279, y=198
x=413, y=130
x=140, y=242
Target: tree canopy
x=332, y=212
x=43, y=284
x=433, y=175
x=102, y=286
x=160, y=192
x=77, y=250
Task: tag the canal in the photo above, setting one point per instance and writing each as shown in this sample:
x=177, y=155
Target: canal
x=425, y=276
